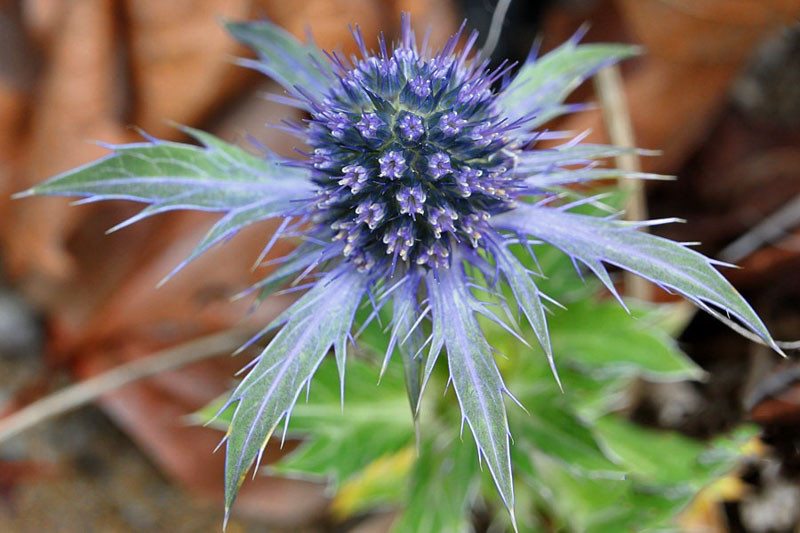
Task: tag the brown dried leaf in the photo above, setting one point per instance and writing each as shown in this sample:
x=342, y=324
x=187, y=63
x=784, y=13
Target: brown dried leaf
x=681, y=84
x=75, y=102
x=12, y=106
x=711, y=31
x=327, y=20
x=440, y=16
x=14, y=473
x=196, y=300
x=181, y=60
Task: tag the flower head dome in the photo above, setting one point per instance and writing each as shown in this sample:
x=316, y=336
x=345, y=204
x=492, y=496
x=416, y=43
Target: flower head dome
x=411, y=154
x=423, y=175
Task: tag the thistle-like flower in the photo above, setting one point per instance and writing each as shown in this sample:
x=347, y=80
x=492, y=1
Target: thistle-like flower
x=422, y=172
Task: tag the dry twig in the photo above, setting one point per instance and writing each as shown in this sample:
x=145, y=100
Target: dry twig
x=84, y=392
x=611, y=94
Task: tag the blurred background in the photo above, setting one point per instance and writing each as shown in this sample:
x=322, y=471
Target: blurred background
x=718, y=92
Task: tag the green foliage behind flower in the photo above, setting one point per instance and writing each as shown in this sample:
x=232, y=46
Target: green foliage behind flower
x=578, y=465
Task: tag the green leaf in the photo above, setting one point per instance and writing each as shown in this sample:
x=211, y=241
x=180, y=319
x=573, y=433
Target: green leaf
x=338, y=443
x=551, y=428
x=665, y=470
x=443, y=486
x=603, y=336
x=383, y=483
x=319, y=320
x=662, y=457
x=599, y=505
x=595, y=394
x=543, y=84
x=599, y=347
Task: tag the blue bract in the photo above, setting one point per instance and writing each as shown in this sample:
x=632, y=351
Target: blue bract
x=423, y=172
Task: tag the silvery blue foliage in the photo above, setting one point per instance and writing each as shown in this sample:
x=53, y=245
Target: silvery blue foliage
x=421, y=174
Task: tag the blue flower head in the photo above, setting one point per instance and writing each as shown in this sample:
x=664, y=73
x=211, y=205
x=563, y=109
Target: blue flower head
x=423, y=171
x=408, y=120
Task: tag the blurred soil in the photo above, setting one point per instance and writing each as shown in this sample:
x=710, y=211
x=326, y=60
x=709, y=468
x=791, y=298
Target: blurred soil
x=80, y=472
x=722, y=102
x=90, y=477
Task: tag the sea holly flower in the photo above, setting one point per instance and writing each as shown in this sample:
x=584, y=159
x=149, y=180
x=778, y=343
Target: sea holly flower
x=411, y=127
x=423, y=174
x=392, y=164
x=439, y=165
x=450, y=124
